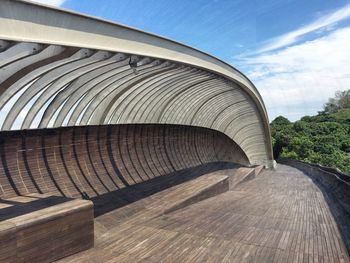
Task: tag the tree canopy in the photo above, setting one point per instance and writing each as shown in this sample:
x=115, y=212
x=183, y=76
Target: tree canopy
x=340, y=101
x=323, y=138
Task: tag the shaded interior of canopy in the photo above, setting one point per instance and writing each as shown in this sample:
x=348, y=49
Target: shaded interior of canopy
x=44, y=86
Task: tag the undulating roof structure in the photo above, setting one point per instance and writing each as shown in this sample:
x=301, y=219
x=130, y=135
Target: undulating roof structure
x=59, y=68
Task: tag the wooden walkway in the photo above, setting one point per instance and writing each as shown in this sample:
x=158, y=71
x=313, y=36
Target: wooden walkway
x=280, y=216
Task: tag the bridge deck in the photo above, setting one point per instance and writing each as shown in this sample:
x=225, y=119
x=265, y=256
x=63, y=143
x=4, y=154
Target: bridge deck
x=280, y=216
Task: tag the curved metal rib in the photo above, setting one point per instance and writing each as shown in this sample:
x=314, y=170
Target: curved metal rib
x=81, y=82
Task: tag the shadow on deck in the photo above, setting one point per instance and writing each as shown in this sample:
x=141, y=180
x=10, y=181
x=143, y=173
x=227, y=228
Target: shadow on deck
x=125, y=196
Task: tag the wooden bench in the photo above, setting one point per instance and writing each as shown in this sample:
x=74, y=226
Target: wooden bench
x=44, y=228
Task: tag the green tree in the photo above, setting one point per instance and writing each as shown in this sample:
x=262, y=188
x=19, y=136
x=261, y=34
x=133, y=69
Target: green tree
x=340, y=101
x=323, y=138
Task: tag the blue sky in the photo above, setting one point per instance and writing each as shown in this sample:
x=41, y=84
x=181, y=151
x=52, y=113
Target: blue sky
x=296, y=52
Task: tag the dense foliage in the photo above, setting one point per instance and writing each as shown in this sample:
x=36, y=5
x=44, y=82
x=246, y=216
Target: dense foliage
x=322, y=139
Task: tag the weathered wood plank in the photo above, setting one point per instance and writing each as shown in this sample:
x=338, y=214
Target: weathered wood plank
x=280, y=216
x=42, y=228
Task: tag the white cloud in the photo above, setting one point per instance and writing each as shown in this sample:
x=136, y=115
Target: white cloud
x=50, y=2
x=299, y=79
x=323, y=23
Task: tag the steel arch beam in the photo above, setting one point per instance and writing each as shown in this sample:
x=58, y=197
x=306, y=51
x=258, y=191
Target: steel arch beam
x=102, y=103
x=41, y=84
x=154, y=102
x=85, y=90
x=126, y=103
x=136, y=82
x=102, y=89
x=97, y=60
x=82, y=82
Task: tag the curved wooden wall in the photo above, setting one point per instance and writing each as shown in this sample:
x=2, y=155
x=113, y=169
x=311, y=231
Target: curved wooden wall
x=95, y=160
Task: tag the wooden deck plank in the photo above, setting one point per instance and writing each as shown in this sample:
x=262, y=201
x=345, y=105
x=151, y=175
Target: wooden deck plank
x=280, y=216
